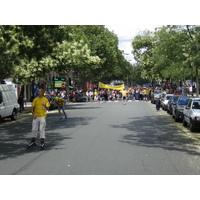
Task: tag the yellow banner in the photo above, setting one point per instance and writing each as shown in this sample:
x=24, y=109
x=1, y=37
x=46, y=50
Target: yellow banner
x=118, y=87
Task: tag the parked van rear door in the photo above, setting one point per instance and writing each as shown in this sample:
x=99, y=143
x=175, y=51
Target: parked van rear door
x=2, y=106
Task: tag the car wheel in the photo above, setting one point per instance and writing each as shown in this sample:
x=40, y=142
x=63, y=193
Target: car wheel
x=184, y=122
x=167, y=111
x=14, y=115
x=176, y=118
x=192, y=128
x=164, y=108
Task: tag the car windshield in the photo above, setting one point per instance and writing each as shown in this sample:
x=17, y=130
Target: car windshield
x=183, y=101
x=168, y=97
x=174, y=98
x=196, y=105
x=157, y=92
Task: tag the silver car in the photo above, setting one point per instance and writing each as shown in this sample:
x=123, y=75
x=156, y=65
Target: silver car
x=165, y=100
x=191, y=114
x=177, y=108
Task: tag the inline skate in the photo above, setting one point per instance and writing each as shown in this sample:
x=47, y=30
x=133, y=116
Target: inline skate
x=32, y=144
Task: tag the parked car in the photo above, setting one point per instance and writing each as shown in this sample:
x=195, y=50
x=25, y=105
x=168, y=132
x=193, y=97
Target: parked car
x=165, y=100
x=177, y=108
x=191, y=114
x=80, y=98
x=171, y=102
x=8, y=102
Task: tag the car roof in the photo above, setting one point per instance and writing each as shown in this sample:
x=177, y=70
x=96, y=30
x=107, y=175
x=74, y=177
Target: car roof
x=186, y=97
x=175, y=95
x=196, y=98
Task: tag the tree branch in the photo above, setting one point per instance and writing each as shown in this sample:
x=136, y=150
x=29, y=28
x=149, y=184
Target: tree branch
x=188, y=30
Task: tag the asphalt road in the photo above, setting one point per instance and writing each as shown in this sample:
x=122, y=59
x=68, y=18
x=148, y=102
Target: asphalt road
x=102, y=139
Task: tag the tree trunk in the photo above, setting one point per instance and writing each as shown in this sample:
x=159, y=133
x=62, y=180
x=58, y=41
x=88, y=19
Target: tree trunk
x=67, y=85
x=197, y=82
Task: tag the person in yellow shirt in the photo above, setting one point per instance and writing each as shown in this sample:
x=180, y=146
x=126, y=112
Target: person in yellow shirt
x=61, y=106
x=95, y=96
x=38, y=108
x=124, y=96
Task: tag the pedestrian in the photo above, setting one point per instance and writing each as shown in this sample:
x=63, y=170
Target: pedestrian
x=176, y=92
x=38, y=108
x=144, y=94
x=91, y=93
x=190, y=90
x=21, y=103
x=124, y=96
x=73, y=96
x=137, y=94
x=95, y=96
x=101, y=96
x=61, y=106
x=87, y=95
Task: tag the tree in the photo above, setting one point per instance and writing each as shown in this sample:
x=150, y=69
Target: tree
x=72, y=56
x=30, y=52
x=191, y=50
x=36, y=60
x=169, y=52
x=9, y=47
x=143, y=47
x=104, y=44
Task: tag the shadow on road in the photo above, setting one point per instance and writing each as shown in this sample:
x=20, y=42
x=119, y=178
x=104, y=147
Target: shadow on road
x=15, y=137
x=81, y=106
x=158, y=132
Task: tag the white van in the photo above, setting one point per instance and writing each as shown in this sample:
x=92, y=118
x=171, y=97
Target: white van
x=8, y=102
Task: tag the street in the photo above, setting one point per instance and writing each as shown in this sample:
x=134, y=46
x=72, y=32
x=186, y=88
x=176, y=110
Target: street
x=102, y=139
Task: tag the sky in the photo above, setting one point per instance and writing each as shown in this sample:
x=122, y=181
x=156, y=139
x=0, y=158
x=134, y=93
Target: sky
x=126, y=33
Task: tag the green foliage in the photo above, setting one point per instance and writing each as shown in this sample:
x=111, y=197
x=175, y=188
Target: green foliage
x=30, y=52
x=169, y=52
x=9, y=48
x=72, y=55
x=143, y=47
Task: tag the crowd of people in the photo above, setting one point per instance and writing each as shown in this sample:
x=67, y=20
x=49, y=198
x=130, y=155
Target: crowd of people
x=141, y=93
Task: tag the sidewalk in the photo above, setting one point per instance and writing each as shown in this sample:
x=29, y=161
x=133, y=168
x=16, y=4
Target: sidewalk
x=27, y=107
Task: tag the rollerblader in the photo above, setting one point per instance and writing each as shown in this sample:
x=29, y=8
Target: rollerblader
x=61, y=106
x=158, y=104
x=124, y=96
x=157, y=101
x=39, y=107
